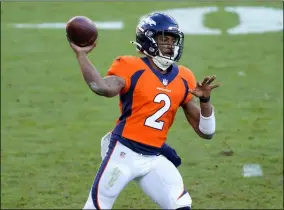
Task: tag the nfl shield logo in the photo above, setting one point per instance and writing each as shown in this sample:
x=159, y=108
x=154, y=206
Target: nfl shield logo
x=165, y=82
x=122, y=154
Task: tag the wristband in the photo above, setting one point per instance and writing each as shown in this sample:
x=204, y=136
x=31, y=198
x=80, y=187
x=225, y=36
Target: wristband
x=207, y=125
x=204, y=99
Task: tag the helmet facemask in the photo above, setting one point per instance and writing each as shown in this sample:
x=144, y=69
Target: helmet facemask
x=156, y=36
x=170, y=46
x=147, y=43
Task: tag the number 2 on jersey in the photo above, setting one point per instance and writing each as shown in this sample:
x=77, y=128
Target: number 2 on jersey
x=152, y=121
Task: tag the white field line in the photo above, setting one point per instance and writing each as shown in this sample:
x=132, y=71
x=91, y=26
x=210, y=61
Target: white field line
x=110, y=25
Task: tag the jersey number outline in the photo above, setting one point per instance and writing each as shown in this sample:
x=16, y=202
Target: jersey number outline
x=151, y=121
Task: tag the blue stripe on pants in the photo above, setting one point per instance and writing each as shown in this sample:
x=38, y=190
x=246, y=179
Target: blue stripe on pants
x=103, y=166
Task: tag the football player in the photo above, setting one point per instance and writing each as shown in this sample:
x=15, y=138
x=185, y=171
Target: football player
x=150, y=89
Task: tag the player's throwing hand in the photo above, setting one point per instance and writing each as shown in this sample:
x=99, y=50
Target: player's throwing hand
x=85, y=50
x=203, y=89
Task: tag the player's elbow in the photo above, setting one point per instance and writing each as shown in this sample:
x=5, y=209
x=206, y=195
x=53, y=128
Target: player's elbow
x=202, y=135
x=103, y=91
x=106, y=94
x=207, y=136
x=98, y=92
x=109, y=93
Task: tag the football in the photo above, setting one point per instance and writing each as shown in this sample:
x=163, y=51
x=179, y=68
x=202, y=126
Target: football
x=82, y=31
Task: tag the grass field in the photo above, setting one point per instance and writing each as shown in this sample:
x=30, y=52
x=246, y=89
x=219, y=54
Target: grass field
x=51, y=124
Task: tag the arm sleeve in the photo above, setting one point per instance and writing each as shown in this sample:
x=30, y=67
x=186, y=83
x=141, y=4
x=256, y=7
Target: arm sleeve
x=119, y=68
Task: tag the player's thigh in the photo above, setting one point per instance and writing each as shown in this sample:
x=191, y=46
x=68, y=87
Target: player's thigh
x=105, y=141
x=113, y=175
x=164, y=185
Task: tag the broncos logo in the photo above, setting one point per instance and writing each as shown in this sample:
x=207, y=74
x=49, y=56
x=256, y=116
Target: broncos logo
x=149, y=21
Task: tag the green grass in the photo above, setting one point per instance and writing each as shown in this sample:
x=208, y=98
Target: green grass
x=51, y=124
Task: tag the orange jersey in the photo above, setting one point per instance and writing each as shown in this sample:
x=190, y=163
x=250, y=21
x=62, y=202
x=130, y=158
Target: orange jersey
x=149, y=100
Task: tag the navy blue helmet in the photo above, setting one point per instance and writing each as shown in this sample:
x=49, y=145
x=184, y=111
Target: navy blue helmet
x=147, y=31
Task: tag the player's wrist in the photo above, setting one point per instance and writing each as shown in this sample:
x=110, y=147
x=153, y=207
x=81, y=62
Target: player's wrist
x=81, y=54
x=207, y=124
x=203, y=99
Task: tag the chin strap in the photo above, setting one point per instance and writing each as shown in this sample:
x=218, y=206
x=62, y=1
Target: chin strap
x=162, y=63
x=137, y=45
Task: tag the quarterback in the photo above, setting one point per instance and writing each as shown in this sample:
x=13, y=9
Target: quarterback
x=151, y=89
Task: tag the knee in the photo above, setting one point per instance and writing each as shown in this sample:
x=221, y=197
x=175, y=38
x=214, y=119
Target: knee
x=185, y=201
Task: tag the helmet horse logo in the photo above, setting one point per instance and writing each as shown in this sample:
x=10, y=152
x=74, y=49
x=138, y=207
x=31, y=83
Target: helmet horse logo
x=149, y=21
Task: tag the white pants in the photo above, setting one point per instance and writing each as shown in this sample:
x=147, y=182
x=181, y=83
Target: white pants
x=156, y=175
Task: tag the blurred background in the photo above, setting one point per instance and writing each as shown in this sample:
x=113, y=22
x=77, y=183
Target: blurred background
x=51, y=123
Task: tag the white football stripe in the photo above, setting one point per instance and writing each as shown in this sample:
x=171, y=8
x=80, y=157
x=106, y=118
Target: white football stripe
x=110, y=25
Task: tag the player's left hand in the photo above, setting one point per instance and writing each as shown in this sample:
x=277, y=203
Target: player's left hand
x=203, y=89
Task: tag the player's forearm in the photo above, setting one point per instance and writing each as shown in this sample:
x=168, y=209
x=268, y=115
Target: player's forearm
x=207, y=122
x=91, y=75
x=193, y=115
x=206, y=109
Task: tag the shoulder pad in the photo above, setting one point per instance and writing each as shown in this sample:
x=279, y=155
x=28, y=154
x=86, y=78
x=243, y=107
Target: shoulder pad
x=184, y=70
x=128, y=59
